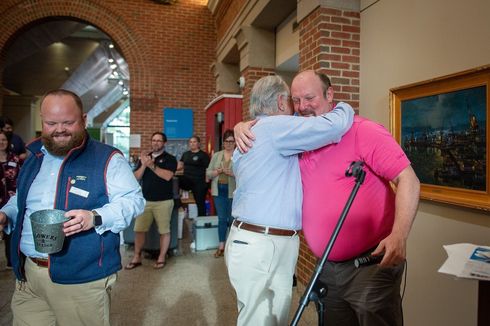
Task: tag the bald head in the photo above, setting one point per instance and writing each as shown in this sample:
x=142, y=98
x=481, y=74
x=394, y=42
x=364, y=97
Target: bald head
x=63, y=92
x=311, y=93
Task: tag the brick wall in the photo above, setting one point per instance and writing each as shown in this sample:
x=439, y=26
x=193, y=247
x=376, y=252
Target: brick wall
x=330, y=41
x=168, y=48
x=225, y=15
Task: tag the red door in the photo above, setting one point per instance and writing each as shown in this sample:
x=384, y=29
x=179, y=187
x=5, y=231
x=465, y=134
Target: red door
x=224, y=112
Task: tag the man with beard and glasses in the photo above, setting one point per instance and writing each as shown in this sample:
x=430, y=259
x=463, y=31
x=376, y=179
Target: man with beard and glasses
x=155, y=170
x=94, y=184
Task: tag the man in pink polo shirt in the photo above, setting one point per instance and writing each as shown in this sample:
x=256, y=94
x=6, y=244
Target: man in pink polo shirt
x=378, y=222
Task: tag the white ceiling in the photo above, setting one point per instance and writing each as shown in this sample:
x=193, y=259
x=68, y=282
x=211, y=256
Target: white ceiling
x=66, y=54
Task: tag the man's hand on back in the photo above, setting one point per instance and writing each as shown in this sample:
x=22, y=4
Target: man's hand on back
x=243, y=135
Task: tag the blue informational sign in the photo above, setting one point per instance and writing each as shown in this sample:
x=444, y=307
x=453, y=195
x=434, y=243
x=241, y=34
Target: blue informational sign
x=178, y=123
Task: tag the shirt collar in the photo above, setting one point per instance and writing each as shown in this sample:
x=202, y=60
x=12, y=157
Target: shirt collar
x=47, y=153
x=156, y=154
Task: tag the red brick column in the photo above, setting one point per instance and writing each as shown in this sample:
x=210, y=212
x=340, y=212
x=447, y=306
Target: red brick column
x=146, y=120
x=256, y=59
x=329, y=41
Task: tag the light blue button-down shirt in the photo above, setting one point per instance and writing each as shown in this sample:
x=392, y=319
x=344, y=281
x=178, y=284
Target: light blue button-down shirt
x=269, y=190
x=125, y=199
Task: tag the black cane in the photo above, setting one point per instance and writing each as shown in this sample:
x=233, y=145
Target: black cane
x=354, y=169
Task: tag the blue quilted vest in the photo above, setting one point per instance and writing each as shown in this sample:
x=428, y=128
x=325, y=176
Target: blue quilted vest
x=86, y=256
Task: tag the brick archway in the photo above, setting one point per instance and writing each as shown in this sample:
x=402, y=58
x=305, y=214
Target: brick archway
x=102, y=16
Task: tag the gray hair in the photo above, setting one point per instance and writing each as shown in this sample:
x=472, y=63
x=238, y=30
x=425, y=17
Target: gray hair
x=263, y=99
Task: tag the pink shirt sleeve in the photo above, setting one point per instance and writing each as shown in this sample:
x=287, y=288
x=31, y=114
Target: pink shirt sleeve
x=380, y=150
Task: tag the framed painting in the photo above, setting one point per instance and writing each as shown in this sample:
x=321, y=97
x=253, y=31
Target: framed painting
x=442, y=125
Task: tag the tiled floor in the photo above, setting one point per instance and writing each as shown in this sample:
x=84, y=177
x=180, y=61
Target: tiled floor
x=192, y=289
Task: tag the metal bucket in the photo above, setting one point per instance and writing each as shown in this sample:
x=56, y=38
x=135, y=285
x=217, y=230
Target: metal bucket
x=47, y=230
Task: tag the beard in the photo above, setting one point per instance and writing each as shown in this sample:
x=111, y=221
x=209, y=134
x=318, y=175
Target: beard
x=62, y=148
x=157, y=149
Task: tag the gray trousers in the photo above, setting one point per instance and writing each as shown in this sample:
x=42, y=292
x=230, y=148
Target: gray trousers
x=365, y=296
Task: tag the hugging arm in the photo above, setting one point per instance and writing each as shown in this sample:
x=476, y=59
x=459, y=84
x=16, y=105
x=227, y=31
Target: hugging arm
x=244, y=136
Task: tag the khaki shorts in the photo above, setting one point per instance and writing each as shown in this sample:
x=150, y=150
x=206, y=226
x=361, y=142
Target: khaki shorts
x=160, y=211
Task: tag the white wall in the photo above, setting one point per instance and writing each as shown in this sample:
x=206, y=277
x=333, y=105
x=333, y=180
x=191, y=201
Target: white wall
x=287, y=40
x=406, y=41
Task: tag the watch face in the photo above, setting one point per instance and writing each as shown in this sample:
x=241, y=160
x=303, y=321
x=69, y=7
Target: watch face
x=97, y=219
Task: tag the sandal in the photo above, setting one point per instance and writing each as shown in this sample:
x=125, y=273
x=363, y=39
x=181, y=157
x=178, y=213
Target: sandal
x=159, y=265
x=219, y=253
x=132, y=265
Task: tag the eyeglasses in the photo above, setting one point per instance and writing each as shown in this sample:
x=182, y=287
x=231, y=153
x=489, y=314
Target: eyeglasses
x=157, y=141
x=229, y=141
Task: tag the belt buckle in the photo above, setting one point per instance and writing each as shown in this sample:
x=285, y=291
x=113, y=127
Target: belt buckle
x=266, y=231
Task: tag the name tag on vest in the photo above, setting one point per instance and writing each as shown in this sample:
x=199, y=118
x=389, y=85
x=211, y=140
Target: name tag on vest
x=79, y=192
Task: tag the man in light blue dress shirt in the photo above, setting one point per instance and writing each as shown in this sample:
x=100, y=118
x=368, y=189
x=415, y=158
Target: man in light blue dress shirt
x=94, y=184
x=262, y=249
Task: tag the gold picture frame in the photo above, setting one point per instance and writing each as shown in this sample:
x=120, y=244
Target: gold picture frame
x=442, y=125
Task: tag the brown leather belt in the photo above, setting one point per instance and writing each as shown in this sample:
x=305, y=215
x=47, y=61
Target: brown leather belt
x=263, y=229
x=40, y=262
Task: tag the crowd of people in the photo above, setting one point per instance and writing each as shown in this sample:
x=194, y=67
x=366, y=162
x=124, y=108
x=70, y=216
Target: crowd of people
x=10, y=165
x=287, y=175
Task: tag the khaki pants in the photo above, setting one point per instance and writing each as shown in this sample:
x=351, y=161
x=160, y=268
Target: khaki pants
x=261, y=268
x=41, y=302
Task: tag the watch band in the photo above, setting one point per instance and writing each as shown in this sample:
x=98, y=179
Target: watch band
x=97, y=218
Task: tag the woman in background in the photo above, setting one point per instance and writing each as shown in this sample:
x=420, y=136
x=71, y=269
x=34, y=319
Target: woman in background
x=10, y=165
x=223, y=184
x=194, y=162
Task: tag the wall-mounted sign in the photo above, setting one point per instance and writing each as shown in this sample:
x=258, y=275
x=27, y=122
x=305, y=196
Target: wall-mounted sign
x=178, y=123
x=135, y=141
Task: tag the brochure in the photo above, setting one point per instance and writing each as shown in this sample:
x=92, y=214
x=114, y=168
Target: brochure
x=467, y=261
